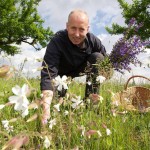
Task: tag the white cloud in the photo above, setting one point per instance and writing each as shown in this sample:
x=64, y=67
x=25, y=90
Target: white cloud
x=108, y=40
x=56, y=13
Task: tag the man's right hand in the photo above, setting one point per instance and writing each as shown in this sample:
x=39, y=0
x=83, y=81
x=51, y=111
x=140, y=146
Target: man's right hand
x=46, y=102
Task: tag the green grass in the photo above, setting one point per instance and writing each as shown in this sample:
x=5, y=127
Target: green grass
x=130, y=131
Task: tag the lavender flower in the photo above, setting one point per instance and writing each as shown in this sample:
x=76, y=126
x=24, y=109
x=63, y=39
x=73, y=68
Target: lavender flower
x=125, y=51
x=133, y=24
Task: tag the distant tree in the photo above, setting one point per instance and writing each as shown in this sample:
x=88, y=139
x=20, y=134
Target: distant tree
x=20, y=22
x=140, y=10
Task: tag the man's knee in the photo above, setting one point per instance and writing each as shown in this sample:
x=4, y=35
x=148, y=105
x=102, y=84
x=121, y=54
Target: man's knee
x=94, y=57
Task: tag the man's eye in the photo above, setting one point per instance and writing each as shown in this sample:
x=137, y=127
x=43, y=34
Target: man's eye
x=73, y=28
x=81, y=30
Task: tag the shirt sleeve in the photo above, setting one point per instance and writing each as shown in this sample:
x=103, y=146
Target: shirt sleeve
x=50, y=65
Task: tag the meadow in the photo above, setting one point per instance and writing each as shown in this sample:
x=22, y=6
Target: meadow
x=72, y=126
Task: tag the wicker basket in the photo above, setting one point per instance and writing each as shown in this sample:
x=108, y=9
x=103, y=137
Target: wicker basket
x=133, y=98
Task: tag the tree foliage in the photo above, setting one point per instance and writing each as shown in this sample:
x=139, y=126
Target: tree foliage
x=140, y=10
x=20, y=22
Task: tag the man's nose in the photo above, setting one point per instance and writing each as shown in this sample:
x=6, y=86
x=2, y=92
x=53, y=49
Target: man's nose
x=77, y=33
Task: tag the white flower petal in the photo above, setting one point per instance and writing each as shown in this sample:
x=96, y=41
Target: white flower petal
x=18, y=107
x=76, y=102
x=64, y=78
x=21, y=102
x=16, y=90
x=25, y=101
x=2, y=106
x=101, y=99
x=52, y=123
x=13, y=99
x=5, y=123
x=24, y=89
x=57, y=78
x=89, y=82
x=99, y=133
x=65, y=86
x=108, y=132
x=57, y=107
x=83, y=130
x=59, y=88
x=60, y=83
x=73, y=100
x=66, y=112
x=100, y=79
x=47, y=142
x=74, y=105
x=25, y=113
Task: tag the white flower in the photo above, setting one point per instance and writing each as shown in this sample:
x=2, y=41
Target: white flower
x=57, y=107
x=114, y=112
x=115, y=103
x=5, y=123
x=66, y=112
x=47, y=142
x=25, y=112
x=99, y=133
x=76, y=102
x=124, y=119
x=52, y=123
x=112, y=93
x=41, y=95
x=100, y=79
x=89, y=83
x=81, y=79
x=2, y=106
x=10, y=129
x=61, y=82
x=101, y=98
x=108, y=132
x=88, y=100
x=83, y=130
x=20, y=100
x=127, y=100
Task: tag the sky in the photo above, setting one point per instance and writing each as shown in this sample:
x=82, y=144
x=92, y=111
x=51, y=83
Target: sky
x=55, y=13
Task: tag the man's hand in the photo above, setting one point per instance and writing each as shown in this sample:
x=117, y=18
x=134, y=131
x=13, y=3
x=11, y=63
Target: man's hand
x=46, y=102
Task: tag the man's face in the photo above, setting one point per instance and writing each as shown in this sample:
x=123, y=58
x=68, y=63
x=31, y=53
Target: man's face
x=77, y=28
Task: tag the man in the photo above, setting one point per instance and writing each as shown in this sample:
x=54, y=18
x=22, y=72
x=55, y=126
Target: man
x=67, y=54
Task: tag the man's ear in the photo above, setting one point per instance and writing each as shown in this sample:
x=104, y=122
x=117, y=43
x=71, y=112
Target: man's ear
x=88, y=28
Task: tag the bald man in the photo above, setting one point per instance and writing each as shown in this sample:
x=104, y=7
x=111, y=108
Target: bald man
x=68, y=53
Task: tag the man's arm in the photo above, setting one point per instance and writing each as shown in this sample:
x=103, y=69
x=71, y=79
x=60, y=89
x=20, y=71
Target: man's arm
x=49, y=71
x=46, y=102
x=97, y=45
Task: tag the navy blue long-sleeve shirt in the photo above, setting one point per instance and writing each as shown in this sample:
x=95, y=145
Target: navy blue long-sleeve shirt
x=63, y=57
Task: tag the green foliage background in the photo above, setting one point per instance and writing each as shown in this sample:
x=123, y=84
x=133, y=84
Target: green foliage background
x=20, y=22
x=140, y=10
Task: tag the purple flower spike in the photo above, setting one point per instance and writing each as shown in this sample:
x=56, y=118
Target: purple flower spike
x=125, y=51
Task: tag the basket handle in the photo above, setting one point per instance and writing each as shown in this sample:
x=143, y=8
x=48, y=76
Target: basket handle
x=125, y=87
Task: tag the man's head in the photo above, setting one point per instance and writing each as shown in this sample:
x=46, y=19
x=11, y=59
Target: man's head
x=77, y=26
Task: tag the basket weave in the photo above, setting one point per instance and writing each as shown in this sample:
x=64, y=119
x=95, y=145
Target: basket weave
x=133, y=98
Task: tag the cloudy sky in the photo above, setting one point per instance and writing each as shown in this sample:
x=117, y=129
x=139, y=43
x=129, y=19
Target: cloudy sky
x=101, y=13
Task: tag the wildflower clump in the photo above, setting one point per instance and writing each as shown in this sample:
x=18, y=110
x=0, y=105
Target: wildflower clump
x=126, y=49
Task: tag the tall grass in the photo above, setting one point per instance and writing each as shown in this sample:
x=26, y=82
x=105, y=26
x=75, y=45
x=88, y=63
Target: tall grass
x=79, y=128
